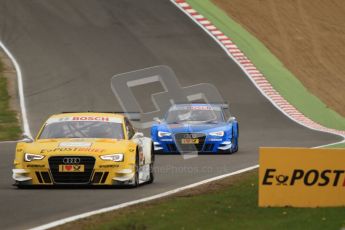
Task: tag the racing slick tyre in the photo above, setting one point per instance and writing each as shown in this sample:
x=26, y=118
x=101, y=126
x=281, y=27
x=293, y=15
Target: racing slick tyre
x=22, y=186
x=236, y=148
x=136, y=174
x=234, y=141
x=152, y=174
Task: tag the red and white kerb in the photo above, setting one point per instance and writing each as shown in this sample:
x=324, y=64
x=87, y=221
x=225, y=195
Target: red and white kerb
x=251, y=71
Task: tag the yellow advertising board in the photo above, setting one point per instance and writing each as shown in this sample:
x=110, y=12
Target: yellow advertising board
x=301, y=177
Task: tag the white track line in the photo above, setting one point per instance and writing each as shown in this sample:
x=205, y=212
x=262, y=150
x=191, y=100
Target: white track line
x=327, y=145
x=146, y=199
x=25, y=122
x=7, y=142
x=174, y=191
x=130, y=203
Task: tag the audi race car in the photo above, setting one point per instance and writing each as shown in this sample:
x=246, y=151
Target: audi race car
x=85, y=149
x=196, y=128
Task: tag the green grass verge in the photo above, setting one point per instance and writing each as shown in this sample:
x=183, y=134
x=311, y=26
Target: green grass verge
x=9, y=125
x=341, y=145
x=280, y=78
x=233, y=207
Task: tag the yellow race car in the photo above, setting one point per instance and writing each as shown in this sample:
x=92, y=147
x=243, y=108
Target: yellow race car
x=85, y=149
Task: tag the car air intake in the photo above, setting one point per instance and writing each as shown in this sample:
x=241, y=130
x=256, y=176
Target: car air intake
x=71, y=177
x=184, y=141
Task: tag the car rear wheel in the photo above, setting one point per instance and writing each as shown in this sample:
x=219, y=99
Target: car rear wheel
x=21, y=186
x=235, y=147
x=152, y=175
x=234, y=141
x=136, y=174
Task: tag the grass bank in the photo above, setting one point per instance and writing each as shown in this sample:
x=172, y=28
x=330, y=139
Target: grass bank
x=231, y=207
x=280, y=77
x=9, y=125
x=340, y=145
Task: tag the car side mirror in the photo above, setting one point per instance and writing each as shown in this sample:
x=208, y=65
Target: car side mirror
x=231, y=119
x=27, y=139
x=138, y=135
x=156, y=119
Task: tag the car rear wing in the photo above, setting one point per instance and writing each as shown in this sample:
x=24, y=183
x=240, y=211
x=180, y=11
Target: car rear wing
x=132, y=116
x=224, y=105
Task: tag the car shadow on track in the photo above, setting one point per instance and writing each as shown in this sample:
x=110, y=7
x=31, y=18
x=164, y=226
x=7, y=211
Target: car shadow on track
x=73, y=187
x=199, y=153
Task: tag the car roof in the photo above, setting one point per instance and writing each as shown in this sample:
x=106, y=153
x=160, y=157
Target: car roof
x=176, y=106
x=197, y=104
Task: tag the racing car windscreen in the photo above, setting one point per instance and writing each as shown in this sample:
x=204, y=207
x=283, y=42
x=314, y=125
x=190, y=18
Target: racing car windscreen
x=82, y=129
x=194, y=114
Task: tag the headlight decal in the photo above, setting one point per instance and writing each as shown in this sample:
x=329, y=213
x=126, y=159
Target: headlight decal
x=164, y=134
x=217, y=133
x=28, y=157
x=118, y=157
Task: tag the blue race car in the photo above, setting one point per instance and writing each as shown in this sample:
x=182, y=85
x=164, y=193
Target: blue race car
x=205, y=128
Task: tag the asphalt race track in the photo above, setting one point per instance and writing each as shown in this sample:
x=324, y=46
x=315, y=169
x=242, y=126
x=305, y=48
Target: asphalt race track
x=69, y=50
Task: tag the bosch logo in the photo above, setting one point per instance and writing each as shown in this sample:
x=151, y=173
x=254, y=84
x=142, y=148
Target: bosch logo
x=71, y=160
